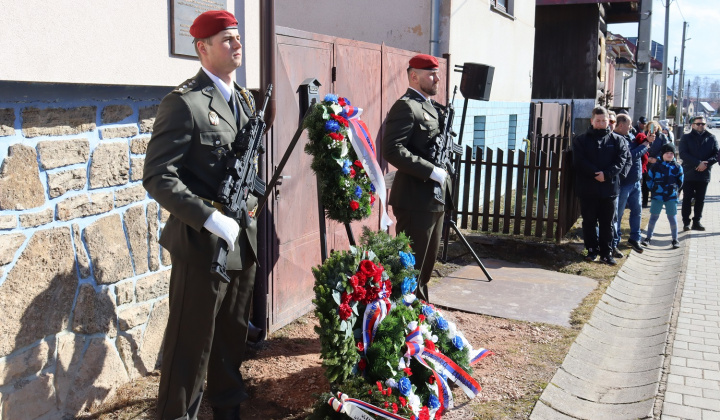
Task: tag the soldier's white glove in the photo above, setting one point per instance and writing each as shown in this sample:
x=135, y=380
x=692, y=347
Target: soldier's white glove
x=438, y=175
x=224, y=227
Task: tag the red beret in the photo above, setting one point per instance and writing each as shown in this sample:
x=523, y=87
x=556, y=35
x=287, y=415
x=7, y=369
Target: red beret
x=212, y=22
x=424, y=62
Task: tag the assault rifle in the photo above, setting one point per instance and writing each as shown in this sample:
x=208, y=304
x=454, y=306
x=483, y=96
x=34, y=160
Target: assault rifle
x=445, y=149
x=240, y=180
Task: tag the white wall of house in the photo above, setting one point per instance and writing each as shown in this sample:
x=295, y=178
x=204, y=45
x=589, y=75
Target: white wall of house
x=479, y=34
x=121, y=42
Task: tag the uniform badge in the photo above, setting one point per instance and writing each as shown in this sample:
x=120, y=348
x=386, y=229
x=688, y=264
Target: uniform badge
x=426, y=116
x=213, y=117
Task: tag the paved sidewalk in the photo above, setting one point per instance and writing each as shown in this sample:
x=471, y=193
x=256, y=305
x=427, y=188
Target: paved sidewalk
x=660, y=313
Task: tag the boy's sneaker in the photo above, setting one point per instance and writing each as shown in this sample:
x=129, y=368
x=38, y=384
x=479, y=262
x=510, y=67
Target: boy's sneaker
x=591, y=255
x=616, y=253
x=635, y=245
x=645, y=242
x=608, y=259
x=675, y=244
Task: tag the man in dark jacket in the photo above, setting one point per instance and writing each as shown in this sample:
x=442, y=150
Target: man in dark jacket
x=598, y=158
x=698, y=151
x=630, y=186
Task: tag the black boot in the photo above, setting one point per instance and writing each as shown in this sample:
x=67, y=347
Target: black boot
x=226, y=413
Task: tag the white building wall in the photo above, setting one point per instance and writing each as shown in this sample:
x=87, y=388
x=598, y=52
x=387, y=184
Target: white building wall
x=116, y=42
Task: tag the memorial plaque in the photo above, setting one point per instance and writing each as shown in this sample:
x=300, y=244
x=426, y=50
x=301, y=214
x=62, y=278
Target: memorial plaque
x=182, y=15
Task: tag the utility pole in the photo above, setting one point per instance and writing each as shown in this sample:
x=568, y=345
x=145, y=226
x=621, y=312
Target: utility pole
x=642, y=83
x=679, y=126
x=663, y=107
x=672, y=100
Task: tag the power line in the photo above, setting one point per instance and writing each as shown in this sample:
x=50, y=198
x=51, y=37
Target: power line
x=677, y=3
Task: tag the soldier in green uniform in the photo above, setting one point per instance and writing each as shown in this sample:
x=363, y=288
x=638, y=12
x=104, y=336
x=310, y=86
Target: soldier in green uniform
x=410, y=131
x=208, y=321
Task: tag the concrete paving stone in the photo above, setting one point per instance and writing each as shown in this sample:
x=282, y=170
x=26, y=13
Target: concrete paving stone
x=582, y=409
x=664, y=287
x=603, y=360
x=643, y=291
x=678, y=361
x=702, y=383
x=582, y=370
x=639, y=300
x=543, y=412
x=673, y=398
x=710, y=415
x=602, y=393
x=689, y=338
x=713, y=324
x=655, y=313
x=688, y=355
x=703, y=348
x=709, y=393
x=711, y=374
x=630, y=343
x=711, y=356
x=639, y=272
x=703, y=364
x=701, y=402
x=682, y=411
x=685, y=389
x=631, y=326
x=704, y=334
x=649, y=264
x=619, y=350
x=686, y=372
x=656, y=278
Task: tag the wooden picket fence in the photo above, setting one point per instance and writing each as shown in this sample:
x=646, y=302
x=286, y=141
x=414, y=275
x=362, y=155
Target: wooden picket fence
x=530, y=196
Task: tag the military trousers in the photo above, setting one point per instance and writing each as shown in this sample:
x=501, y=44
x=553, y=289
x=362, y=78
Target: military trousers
x=205, y=336
x=425, y=231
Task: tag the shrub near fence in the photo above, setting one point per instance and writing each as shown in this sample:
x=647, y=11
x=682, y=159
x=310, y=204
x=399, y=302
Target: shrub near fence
x=532, y=196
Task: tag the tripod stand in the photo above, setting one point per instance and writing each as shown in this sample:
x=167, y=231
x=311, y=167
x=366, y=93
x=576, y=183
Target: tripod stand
x=450, y=210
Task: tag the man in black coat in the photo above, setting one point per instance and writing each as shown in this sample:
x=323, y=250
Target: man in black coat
x=698, y=152
x=599, y=156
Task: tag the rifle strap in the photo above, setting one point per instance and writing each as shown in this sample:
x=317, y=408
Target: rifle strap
x=212, y=203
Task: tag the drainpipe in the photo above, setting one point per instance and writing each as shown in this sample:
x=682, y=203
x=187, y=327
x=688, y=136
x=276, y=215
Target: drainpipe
x=435, y=27
x=260, y=314
x=625, y=79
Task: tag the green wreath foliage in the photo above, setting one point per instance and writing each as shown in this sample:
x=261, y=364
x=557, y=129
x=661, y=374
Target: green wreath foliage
x=346, y=192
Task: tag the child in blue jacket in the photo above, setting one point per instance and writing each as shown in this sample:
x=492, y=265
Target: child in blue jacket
x=665, y=177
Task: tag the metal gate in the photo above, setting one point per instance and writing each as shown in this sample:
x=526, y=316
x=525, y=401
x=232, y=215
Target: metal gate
x=373, y=77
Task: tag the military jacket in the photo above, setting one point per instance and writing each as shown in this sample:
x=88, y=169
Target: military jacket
x=183, y=168
x=410, y=130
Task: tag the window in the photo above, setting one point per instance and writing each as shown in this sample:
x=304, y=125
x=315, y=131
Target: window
x=512, y=132
x=504, y=7
x=479, y=135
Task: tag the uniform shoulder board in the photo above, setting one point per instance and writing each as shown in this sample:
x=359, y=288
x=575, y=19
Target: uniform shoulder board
x=405, y=97
x=186, y=86
x=248, y=103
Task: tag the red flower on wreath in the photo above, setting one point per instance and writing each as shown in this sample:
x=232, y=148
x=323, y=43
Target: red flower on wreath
x=340, y=119
x=341, y=101
x=358, y=164
x=407, y=371
x=421, y=318
x=403, y=401
x=361, y=365
x=336, y=136
x=345, y=311
x=352, y=173
x=358, y=293
x=354, y=205
x=360, y=346
x=431, y=380
x=430, y=346
x=372, y=199
x=354, y=281
x=394, y=408
x=424, y=413
x=368, y=268
x=345, y=298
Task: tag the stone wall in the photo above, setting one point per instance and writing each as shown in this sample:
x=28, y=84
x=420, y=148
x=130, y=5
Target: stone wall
x=83, y=283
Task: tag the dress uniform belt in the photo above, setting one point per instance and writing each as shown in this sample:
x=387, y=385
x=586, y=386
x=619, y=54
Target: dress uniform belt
x=215, y=204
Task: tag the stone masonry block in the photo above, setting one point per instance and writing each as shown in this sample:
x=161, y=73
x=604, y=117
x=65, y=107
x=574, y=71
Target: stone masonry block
x=112, y=114
x=153, y=337
x=129, y=195
x=9, y=244
x=124, y=292
x=57, y=121
x=7, y=122
x=128, y=345
x=20, y=186
x=108, y=250
x=153, y=245
x=8, y=221
x=38, y=292
x=147, y=118
x=61, y=182
x=118, y=132
x=94, y=312
x=136, y=169
x=57, y=153
x=26, y=363
x=82, y=205
x=153, y=286
x=132, y=317
x=136, y=227
x=110, y=165
x=31, y=399
x=80, y=253
x=139, y=146
x=36, y=219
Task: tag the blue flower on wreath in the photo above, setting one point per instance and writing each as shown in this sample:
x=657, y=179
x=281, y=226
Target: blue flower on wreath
x=358, y=191
x=427, y=311
x=442, y=324
x=404, y=386
x=457, y=342
x=433, y=402
x=408, y=285
x=332, y=126
x=330, y=98
x=407, y=259
x=346, y=166
x=372, y=188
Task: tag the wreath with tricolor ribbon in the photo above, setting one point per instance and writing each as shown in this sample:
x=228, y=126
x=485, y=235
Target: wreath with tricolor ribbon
x=386, y=353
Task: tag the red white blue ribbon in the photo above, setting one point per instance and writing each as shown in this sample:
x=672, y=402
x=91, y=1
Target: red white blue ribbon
x=362, y=142
x=374, y=314
x=358, y=409
x=480, y=354
x=454, y=372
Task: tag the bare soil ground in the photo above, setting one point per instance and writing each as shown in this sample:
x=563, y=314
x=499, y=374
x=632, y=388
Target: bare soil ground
x=284, y=375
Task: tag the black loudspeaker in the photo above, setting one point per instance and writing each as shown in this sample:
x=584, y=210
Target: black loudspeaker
x=476, y=80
